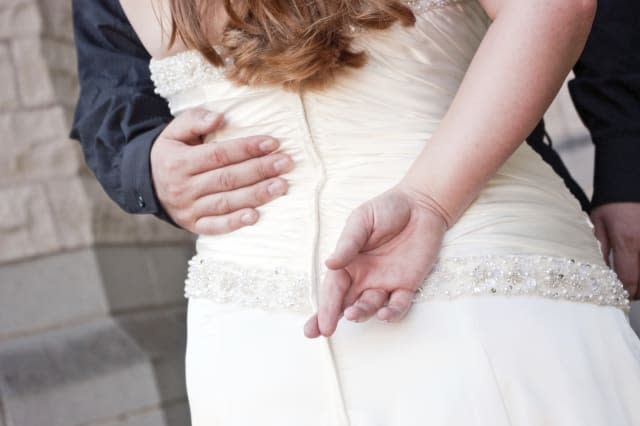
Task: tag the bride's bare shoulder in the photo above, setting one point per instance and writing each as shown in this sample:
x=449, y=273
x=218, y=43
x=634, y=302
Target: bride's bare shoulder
x=151, y=20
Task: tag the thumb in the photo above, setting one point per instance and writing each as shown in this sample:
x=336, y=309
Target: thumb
x=353, y=238
x=190, y=126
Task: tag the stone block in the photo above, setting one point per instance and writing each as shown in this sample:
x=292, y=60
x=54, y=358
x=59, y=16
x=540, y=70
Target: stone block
x=66, y=87
x=72, y=212
x=9, y=98
x=57, y=22
x=69, y=213
x=146, y=277
x=112, y=225
x=146, y=417
x=34, y=83
x=178, y=414
x=60, y=55
x=75, y=376
x=49, y=292
x=27, y=224
x=19, y=18
x=61, y=59
x=23, y=129
x=161, y=334
x=55, y=159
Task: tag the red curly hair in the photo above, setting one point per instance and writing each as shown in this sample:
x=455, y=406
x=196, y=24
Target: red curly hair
x=294, y=43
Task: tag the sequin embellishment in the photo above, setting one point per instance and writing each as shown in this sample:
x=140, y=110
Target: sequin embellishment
x=521, y=275
x=182, y=71
x=421, y=6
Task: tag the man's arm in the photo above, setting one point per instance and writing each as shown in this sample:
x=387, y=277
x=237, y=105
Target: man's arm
x=118, y=115
x=148, y=162
x=606, y=93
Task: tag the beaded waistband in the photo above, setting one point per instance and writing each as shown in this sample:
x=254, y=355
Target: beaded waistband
x=543, y=276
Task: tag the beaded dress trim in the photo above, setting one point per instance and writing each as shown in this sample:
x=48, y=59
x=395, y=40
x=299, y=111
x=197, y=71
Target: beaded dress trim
x=188, y=69
x=509, y=275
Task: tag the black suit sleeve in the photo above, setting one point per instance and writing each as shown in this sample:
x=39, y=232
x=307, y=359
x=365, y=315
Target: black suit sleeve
x=118, y=116
x=606, y=92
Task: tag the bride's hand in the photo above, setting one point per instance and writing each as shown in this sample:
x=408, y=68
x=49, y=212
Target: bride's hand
x=387, y=248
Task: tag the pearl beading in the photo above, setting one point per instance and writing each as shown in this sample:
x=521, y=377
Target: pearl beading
x=513, y=275
x=189, y=68
x=182, y=71
x=421, y=6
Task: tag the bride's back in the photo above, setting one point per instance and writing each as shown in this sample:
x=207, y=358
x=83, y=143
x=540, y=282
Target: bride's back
x=354, y=139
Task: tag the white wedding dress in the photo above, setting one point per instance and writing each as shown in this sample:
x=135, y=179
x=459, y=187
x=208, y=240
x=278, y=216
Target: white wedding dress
x=520, y=323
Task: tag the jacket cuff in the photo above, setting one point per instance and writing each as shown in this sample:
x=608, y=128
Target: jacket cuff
x=617, y=170
x=135, y=174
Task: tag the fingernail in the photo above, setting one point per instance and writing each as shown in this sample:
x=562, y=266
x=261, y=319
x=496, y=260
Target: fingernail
x=268, y=145
x=247, y=218
x=275, y=188
x=281, y=165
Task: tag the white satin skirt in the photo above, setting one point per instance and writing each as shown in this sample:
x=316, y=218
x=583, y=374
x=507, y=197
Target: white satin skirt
x=477, y=360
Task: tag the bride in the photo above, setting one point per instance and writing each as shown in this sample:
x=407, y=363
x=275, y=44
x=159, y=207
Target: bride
x=440, y=271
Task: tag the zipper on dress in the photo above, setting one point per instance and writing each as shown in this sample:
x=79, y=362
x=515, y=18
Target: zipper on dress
x=342, y=419
x=313, y=153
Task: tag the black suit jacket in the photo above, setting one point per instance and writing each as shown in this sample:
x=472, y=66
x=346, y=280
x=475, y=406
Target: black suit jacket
x=118, y=115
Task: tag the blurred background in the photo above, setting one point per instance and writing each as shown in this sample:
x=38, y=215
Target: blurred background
x=92, y=314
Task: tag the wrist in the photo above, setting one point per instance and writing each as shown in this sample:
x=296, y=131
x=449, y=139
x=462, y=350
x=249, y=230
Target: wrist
x=426, y=201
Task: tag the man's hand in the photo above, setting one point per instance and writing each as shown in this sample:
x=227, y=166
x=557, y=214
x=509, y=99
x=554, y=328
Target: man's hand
x=617, y=226
x=214, y=188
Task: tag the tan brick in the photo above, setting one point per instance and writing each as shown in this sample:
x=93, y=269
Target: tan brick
x=31, y=127
x=57, y=19
x=38, y=162
x=80, y=375
x=71, y=210
x=19, y=18
x=113, y=226
x=34, y=81
x=59, y=55
x=66, y=88
x=8, y=93
x=26, y=223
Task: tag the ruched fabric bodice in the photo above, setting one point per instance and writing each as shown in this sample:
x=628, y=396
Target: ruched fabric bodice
x=524, y=234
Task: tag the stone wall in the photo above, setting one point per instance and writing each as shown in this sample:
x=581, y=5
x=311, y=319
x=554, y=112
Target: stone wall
x=92, y=317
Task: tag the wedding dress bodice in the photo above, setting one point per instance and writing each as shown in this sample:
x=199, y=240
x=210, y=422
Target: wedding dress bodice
x=524, y=234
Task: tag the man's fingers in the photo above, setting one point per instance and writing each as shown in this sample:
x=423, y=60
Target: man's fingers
x=236, y=176
x=353, y=238
x=367, y=305
x=603, y=236
x=191, y=125
x=221, y=203
x=330, y=299
x=311, y=327
x=399, y=303
x=214, y=225
x=210, y=156
x=626, y=264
